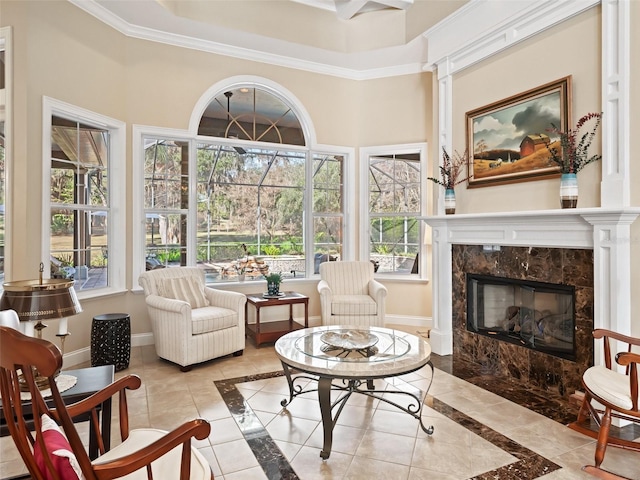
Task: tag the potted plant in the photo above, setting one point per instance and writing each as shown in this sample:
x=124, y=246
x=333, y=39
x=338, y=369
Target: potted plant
x=450, y=172
x=274, y=280
x=572, y=155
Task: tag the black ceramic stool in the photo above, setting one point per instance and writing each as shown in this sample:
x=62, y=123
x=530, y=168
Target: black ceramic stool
x=111, y=340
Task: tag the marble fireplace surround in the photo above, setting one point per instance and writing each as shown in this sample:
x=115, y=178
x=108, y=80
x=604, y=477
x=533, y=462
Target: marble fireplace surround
x=605, y=231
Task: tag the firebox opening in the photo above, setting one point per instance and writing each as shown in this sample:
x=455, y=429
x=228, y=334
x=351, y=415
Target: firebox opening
x=535, y=315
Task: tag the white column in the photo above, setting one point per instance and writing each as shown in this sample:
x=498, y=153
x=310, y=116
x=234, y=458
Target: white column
x=615, y=186
x=441, y=336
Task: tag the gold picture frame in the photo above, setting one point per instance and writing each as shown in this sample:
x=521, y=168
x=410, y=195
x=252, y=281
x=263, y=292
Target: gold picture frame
x=507, y=140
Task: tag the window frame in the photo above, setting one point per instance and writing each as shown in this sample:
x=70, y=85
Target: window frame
x=365, y=246
x=116, y=229
x=142, y=132
x=6, y=44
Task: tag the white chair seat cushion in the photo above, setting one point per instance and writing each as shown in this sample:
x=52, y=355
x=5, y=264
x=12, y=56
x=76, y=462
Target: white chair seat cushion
x=167, y=466
x=611, y=386
x=211, y=319
x=353, y=305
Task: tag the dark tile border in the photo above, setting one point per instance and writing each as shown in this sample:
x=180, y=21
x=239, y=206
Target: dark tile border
x=529, y=465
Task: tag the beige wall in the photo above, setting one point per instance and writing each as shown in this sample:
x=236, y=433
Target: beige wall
x=63, y=53
x=530, y=64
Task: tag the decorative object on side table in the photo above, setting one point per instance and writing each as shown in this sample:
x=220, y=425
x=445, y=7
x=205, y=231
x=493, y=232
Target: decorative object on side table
x=450, y=172
x=274, y=280
x=571, y=154
x=42, y=299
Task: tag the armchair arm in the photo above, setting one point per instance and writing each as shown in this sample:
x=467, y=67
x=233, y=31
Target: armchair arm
x=182, y=435
x=167, y=304
x=325, y=301
x=324, y=288
x=377, y=290
x=225, y=298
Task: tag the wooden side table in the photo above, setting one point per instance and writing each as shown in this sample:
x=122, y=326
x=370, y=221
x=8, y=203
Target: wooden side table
x=271, y=331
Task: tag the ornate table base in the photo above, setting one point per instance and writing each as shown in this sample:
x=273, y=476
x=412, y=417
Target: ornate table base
x=348, y=386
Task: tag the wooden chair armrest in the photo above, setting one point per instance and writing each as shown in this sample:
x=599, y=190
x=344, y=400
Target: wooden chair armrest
x=627, y=358
x=130, y=382
x=182, y=435
x=601, y=333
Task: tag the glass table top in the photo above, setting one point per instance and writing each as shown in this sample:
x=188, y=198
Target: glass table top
x=353, y=351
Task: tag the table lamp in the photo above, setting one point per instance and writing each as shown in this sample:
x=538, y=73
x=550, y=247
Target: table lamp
x=42, y=299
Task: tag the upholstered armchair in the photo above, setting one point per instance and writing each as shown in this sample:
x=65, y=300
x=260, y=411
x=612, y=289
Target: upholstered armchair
x=349, y=295
x=192, y=323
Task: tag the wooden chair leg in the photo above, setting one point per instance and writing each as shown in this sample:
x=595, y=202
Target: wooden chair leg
x=603, y=474
x=603, y=436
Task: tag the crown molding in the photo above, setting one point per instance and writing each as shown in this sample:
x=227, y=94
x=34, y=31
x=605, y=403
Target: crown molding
x=477, y=30
x=146, y=20
x=485, y=27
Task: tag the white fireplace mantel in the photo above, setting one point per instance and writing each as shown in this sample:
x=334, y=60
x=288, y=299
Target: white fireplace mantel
x=606, y=231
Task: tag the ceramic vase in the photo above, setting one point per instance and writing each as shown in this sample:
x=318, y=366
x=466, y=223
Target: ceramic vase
x=273, y=289
x=568, y=190
x=449, y=201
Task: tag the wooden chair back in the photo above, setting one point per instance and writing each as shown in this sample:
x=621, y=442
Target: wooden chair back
x=20, y=358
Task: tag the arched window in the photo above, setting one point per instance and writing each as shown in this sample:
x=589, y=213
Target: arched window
x=245, y=193
x=250, y=113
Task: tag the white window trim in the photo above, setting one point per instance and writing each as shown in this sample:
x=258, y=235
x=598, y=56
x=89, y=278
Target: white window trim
x=144, y=131
x=6, y=42
x=365, y=251
x=117, y=190
x=349, y=202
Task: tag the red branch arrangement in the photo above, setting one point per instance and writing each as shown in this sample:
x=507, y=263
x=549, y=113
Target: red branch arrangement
x=574, y=155
x=451, y=169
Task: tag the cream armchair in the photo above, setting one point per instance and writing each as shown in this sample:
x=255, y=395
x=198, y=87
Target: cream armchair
x=192, y=323
x=349, y=295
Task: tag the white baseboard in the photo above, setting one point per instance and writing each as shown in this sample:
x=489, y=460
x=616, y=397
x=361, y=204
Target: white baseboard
x=83, y=355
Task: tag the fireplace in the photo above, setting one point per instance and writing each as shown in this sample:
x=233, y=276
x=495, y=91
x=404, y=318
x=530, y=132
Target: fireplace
x=535, y=315
x=587, y=248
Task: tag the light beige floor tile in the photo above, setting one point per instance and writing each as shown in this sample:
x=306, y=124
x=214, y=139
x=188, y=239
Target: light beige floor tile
x=387, y=447
x=309, y=466
x=398, y=423
x=234, y=456
x=548, y=438
x=266, y=402
x=255, y=473
x=224, y=430
x=345, y=439
x=363, y=468
x=289, y=429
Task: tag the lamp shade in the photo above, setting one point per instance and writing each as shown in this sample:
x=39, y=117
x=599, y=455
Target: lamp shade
x=40, y=299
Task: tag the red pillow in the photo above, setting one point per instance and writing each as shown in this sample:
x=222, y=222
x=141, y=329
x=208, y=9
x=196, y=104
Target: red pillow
x=59, y=450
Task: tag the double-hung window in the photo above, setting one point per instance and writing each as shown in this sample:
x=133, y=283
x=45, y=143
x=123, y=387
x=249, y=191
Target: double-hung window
x=395, y=185
x=84, y=215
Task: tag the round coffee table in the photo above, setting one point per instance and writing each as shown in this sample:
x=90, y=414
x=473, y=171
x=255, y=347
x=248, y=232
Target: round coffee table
x=355, y=356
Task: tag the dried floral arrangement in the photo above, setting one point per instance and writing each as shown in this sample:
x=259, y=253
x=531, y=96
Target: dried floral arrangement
x=451, y=169
x=574, y=150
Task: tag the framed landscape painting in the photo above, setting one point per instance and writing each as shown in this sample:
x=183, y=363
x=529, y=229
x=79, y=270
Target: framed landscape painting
x=508, y=140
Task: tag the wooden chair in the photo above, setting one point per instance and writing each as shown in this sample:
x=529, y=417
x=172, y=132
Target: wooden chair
x=615, y=391
x=144, y=453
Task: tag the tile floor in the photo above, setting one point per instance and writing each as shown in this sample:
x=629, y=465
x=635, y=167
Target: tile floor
x=478, y=434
